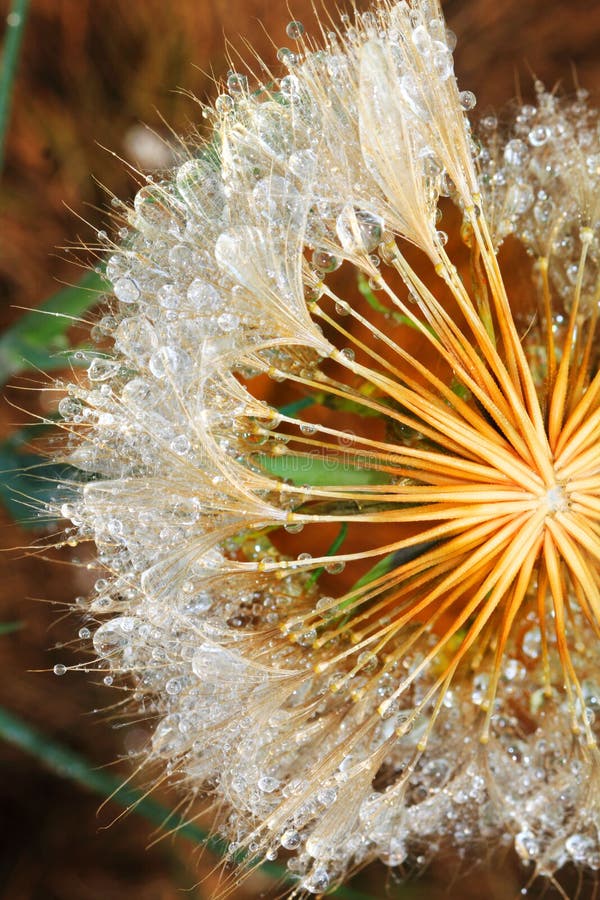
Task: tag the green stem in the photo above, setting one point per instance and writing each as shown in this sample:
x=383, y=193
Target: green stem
x=298, y=405
x=10, y=627
x=378, y=306
x=15, y=28
x=66, y=764
x=339, y=540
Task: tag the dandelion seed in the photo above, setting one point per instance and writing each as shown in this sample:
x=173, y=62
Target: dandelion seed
x=351, y=536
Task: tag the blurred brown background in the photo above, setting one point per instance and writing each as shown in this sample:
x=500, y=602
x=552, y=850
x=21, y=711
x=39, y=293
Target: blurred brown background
x=92, y=71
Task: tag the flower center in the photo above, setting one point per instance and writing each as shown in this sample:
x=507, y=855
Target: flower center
x=556, y=499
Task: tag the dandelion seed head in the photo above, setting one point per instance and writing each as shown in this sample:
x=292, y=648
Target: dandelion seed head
x=349, y=536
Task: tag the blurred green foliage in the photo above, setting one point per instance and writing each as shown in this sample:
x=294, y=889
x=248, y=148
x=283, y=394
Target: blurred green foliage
x=39, y=339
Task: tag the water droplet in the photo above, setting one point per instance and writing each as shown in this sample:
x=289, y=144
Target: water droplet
x=307, y=638
x=290, y=84
x=539, y=135
x=294, y=527
x=450, y=39
x=489, y=123
x=543, y=211
x=69, y=407
x=290, y=839
x=359, y=231
x=317, y=881
x=532, y=643
x=303, y=164
x=180, y=257
x=126, y=290
x=267, y=785
x=173, y=686
x=327, y=796
x=326, y=261
x=367, y=660
x=59, y=669
x=442, y=61
x=287, y=57
x=514, y=670
x=580, y=847
x=168, y=361
x=515, y=153
x=168, y=296
x=468, y=100
x=519, y=198
x=526, y=845
x=102, y=369
x=114, y=635
x=228, y=322
x=422, y=40
x=224, y=103
x=204, y=296
x=294, y=30
x=181, y=445
x=480, y=687
x=214, y=664
x=237, y=83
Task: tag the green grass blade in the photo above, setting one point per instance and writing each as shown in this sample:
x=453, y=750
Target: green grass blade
x=28, y=482
x=367, y=292
x=297, y=406
x=392, y=561
x=66, y=764
x=318, y=470
x=13, y=36
x=381, y=567
x=335, y=546
x=39, y=338
x=10, y=627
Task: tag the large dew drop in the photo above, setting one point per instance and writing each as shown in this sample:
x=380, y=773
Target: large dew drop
x=112, y=637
